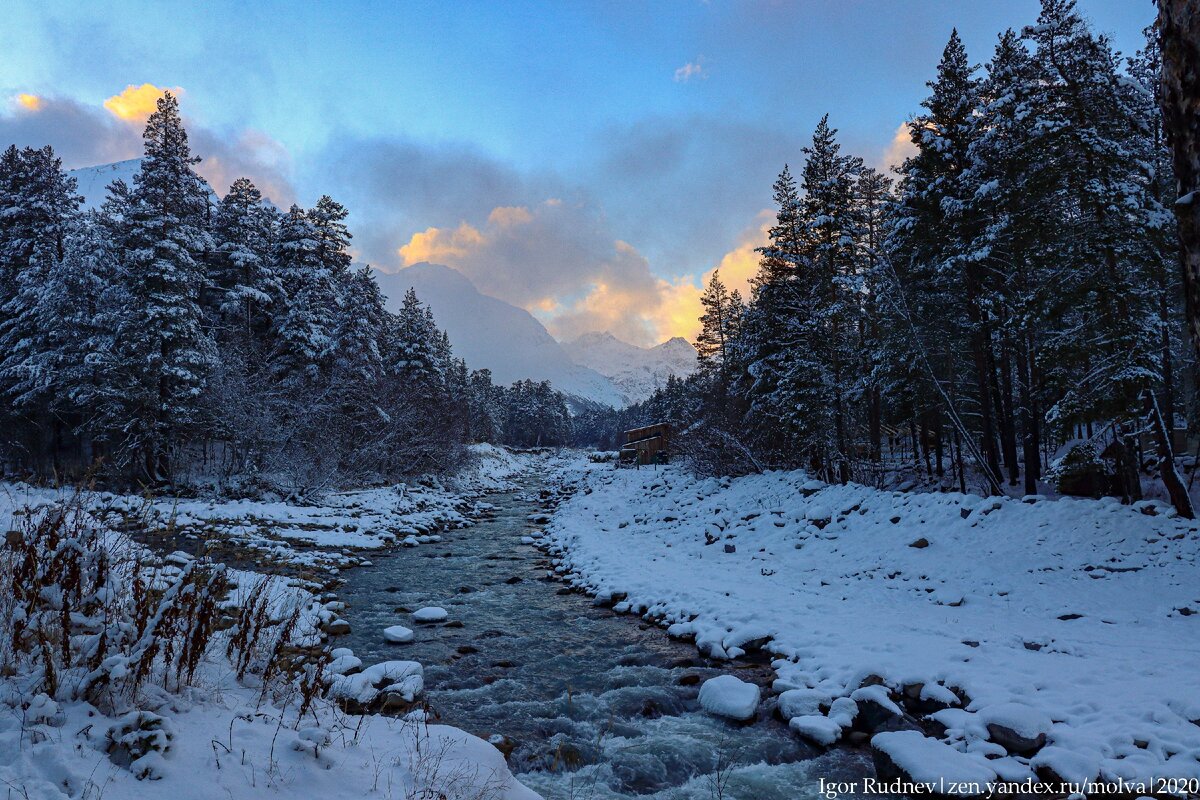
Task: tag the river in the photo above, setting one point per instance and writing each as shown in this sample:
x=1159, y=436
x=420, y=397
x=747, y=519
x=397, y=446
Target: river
x=592, y=705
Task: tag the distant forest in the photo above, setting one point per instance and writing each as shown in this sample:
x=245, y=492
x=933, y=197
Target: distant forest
x=1017, y=289
x=169, y=337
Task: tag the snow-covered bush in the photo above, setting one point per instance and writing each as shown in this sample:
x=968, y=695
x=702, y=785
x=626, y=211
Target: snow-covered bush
x=1081, y=471
x=92, y=618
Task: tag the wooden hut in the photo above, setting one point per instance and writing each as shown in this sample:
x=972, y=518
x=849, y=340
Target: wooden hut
x=648, y=445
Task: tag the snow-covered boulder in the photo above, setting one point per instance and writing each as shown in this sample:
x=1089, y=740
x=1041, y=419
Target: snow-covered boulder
x=817, y=728
x=802, y=702
x=430, y=614
x=397, y=634
x=1017, y=728
x=727, y=696
x=911, y=756
x=380, y=685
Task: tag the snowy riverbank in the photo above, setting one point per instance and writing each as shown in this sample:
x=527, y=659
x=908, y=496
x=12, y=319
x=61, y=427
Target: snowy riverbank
x=95, y=726
x=1041, y=639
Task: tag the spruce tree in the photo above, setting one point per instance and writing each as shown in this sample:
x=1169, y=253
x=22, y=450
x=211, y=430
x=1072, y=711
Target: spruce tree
x=163, y=346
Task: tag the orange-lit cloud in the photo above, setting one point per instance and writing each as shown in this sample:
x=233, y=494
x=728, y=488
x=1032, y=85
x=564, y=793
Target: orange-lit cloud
x=137, y=103
x=620, y=294
x=30, y=102
x=900, y=148
x=739, y=266
x=442, y=245
x=510, y=215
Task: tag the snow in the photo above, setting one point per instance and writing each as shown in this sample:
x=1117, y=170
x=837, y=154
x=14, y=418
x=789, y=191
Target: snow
x=404, y=677
x=1022, y=719
x=472, y=319
x=817, y=727
x=398, y=634
x=636, y=371
x=430, y=614
x=93, y=181
x=930, y=762
x=1043, y=617
x=729, y=696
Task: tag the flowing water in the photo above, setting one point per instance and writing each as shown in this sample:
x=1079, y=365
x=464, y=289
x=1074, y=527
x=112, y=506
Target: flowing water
x=592, y=704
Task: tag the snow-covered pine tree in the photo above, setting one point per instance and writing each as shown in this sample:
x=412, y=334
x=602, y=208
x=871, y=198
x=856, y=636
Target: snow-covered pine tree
x=37, y=205
x=873, y=202
x=163, y=348
x=328, y=218
x=361, y=325
x=1103, y=354
x=826, y=312
x=245, y=285
x=305, y=328
x=1013, y=199
x=937, y=269
x=765, y=335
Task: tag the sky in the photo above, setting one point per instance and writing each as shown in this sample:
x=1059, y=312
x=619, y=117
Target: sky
x=592, y=162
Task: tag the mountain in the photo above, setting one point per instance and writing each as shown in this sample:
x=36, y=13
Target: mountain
x=636, y=371
x=490, y=333
x=93, y=181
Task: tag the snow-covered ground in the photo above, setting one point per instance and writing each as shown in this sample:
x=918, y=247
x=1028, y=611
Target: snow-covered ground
x=224, y=736
x=1037, y=638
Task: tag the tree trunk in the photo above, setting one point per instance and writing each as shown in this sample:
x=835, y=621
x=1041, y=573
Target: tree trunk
x=1179, y=29
x=1008, y=425
x=987, y=424
x=1166, y=466
x=876, y=425
x=1029, y=444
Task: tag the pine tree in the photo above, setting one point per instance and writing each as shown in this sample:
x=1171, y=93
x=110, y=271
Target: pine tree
x=361, y=325
x=936, y=266
x=305, y=328
x=245, y=283
x=164, y=349
x=765, y=329
x=828, y=315
x=1013, y=199
x=1102, y=357
x=37, y=207
x=712, y=343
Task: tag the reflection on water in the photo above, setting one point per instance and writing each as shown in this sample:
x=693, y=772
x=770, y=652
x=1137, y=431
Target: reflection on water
x=591, y=704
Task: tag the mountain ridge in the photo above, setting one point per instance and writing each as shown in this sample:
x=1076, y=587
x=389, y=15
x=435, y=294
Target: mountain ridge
x=489, y=333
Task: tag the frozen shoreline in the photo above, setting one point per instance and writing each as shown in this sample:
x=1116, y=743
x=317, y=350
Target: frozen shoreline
x=1038, y=640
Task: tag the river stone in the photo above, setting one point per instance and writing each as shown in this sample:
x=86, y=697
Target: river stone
x=398, y=634
x=730, y=697
x=1013, y=742
x=430, y=614
x=336, y=627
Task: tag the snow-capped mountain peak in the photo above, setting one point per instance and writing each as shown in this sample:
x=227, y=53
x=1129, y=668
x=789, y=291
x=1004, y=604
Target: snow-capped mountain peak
x=636, y=371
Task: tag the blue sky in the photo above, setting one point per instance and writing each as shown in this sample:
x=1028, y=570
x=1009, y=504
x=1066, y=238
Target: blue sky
x=639, y=139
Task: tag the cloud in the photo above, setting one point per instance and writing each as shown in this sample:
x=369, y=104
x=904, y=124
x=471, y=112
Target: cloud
x=513, y=215
x=137, y=103
x=692, y=69
x=576, y=258
x=739, y=266
x=900, y=148
x=441, y=245
x=81, y=135
x=84, y=135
